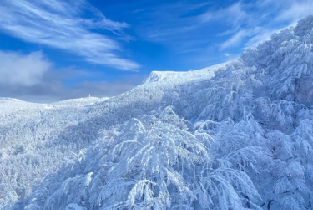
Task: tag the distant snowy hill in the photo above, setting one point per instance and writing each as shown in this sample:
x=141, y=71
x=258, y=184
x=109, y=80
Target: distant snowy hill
x=233, y=136
x=181, y=77
x=80, y=101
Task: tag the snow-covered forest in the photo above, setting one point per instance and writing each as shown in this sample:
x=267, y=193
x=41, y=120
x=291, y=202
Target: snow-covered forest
x=232, y=136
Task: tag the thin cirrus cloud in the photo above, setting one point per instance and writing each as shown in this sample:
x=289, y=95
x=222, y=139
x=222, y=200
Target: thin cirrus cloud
x=61, y=25
x=273, y=17
x=183, y=27
x=233, y=14
x=171, y=24
x=235, y=39
x=297, y=10
x=240, y=25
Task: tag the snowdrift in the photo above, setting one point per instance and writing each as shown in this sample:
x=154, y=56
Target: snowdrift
x=233, y=136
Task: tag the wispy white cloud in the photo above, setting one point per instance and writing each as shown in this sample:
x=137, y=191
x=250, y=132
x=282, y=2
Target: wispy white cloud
x=236, y=26
x=233, y=14
x=263, y=35
x=173, y=23
x=272, y=17
x=296, y=10
x=258, y=35
x=20, y=69
x=62, y=25
x=234, y=40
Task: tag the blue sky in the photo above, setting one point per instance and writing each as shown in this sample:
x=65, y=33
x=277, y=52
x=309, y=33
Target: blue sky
x=61, y=49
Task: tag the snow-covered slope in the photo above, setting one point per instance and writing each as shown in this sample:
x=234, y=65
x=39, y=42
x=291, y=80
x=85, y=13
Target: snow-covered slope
x=233, y=136
x=27, y=149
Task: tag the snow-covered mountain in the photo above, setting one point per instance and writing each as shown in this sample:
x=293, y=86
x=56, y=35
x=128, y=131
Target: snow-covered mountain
x=233, y=136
